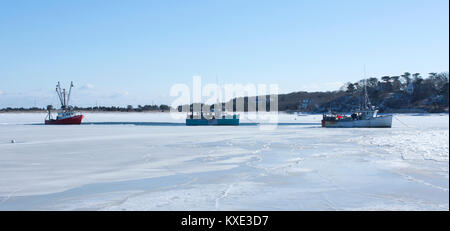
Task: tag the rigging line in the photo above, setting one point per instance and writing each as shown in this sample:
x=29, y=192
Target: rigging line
x=401, y=122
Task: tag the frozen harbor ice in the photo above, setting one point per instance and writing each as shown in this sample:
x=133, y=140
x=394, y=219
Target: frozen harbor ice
x=157, y=165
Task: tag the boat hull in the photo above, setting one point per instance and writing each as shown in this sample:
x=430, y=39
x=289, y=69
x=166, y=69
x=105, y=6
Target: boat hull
x=72, y=120
x=376, y=122
x=212, y=122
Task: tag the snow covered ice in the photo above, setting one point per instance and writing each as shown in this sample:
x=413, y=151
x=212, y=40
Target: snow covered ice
x=162, y=165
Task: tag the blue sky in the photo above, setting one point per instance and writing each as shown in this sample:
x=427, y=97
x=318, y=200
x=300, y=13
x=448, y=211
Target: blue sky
x=132, y=52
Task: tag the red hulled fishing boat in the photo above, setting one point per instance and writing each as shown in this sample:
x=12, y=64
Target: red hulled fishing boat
x=66, y=115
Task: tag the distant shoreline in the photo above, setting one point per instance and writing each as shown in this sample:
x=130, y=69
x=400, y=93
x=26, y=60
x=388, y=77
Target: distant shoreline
x=83, y=111
x=396, y=111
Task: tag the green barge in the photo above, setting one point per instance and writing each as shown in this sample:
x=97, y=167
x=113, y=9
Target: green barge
x=225, y=120
x=212, y=117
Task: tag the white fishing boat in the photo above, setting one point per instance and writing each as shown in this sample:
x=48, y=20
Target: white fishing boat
x=366, y=117
x=358, y=119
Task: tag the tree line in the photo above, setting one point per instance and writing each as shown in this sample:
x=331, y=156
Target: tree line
x=129, y=108
x=405, y=91
x=399, y=93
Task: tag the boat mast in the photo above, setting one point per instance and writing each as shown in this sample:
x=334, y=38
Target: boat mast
x=366, y=95
x=70, y=91
x=60, y=95
x=63, y=96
